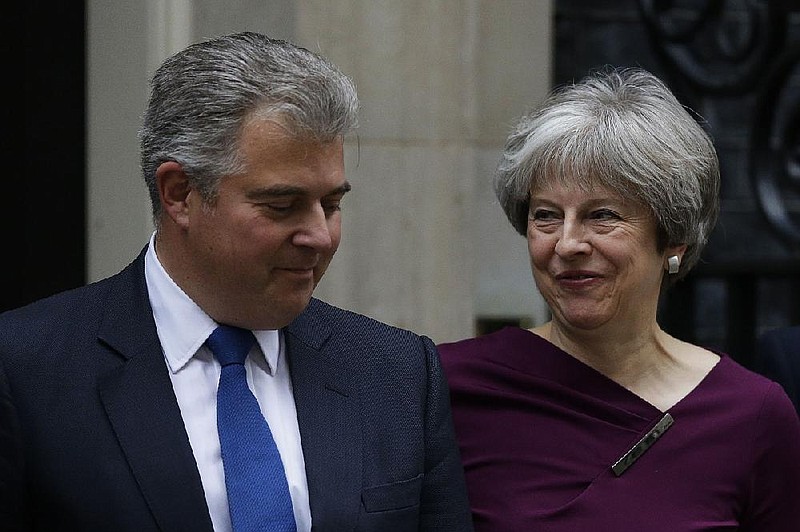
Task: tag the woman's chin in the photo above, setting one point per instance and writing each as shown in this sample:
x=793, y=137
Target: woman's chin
x=584, y=320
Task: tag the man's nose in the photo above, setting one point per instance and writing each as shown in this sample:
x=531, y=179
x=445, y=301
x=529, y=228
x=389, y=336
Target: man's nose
x=315, y=230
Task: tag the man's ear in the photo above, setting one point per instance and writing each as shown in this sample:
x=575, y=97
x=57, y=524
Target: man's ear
x=173, y=189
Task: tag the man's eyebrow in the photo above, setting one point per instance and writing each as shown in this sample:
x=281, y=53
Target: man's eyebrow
x=290, y=190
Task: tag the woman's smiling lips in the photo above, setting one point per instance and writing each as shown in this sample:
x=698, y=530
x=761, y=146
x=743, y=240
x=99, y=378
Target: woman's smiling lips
x=576, y=279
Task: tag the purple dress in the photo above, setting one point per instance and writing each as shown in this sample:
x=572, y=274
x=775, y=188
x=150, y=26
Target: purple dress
x=539, y=431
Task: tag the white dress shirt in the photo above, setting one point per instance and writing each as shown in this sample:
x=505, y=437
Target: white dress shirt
x=183, y=328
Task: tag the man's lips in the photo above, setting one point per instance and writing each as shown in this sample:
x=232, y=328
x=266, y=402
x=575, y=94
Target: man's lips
x=301, y=271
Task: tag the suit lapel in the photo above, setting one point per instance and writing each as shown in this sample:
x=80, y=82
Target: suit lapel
x=143, y=411
x=330, y=427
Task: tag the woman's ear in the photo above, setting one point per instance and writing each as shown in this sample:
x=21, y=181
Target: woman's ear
x=173, y=190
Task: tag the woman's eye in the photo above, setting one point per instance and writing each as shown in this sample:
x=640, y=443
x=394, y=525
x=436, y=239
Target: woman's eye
x=543, y=215
x=605, y=214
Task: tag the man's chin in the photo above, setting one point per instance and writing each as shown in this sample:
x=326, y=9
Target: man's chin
x=288, y=310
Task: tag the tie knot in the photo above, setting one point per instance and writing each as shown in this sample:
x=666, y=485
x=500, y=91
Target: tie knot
x=229, y=344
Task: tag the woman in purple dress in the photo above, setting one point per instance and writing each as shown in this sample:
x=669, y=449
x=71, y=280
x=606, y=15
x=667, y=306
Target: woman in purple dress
x=599, y=420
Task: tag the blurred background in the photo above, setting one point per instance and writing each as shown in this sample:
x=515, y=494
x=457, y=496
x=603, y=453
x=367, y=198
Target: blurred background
x=425, y=245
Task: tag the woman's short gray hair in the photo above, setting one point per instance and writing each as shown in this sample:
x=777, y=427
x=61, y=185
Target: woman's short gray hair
x=201, y=97
x=622, y=129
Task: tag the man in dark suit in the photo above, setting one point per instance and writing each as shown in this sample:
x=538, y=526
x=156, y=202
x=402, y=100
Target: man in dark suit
x=778, y=357
x=108, y=394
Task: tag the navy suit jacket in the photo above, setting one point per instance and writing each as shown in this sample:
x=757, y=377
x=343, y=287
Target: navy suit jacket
x=778, y=357
x=91, y=436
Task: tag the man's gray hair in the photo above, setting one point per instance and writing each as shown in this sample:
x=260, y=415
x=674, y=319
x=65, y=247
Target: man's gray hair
x=202, y=96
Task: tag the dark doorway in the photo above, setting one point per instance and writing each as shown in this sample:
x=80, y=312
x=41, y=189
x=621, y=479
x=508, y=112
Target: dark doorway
x=44, y=148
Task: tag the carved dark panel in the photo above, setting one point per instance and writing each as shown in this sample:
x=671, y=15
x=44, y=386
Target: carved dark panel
x=737, y=65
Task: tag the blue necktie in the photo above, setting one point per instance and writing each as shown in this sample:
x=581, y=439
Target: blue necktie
x=258, y=494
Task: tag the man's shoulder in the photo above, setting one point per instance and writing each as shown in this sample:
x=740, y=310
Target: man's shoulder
x=65, y=301
x=324, y=318
x=70, y=310
x=53, y=306
x=778, y=346
x=778, y=357
x=326, y=311
x=783, y=335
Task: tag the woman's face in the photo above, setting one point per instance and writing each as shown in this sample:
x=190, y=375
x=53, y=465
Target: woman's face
x=594, y=258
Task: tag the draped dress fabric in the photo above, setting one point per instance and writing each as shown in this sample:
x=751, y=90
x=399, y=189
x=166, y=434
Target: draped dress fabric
x=538, y=432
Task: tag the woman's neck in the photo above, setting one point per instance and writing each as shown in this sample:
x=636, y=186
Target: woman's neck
x=647, y=361
x=608, y=349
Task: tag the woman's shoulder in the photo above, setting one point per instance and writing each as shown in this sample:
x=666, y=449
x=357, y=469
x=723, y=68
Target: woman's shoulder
x=753, y=392
x=486, y=344
x=738, y=375
x=510, y=349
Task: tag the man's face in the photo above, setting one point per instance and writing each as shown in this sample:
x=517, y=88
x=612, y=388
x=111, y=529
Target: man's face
x=258, y=252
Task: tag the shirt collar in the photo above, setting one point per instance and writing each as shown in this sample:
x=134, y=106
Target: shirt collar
x=182, y=325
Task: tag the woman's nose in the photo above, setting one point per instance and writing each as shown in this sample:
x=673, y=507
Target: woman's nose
x=573, y=240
